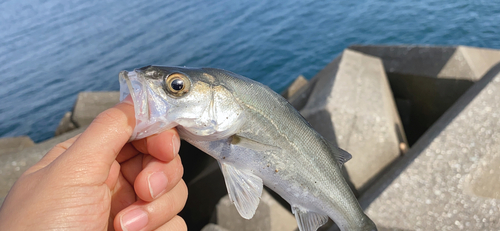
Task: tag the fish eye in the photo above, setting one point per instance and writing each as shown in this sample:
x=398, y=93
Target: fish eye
x=177, y=84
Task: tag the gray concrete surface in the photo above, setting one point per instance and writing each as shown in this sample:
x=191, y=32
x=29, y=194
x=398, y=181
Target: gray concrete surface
x=213, y=227
x=353, y=106
x=14, y=144
x=12, y=165
x=469, y=62
x=449, y=178
x=270, y=216
x=300, y=98
x=296, y=85
x=89, y=104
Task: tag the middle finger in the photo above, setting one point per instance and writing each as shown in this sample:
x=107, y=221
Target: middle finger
x=157, y=177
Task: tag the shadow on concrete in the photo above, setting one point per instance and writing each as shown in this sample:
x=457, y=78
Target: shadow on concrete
x=205, y=185
x=422, y=100
x=299, y=99
x=408, y=59
x=322, y=123
x=194, y=161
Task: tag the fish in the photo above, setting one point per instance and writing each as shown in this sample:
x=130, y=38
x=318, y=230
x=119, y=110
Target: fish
x=256, y=136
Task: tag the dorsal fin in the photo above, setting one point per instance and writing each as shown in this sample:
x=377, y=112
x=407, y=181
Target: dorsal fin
x=341, y=155
x=308, y=220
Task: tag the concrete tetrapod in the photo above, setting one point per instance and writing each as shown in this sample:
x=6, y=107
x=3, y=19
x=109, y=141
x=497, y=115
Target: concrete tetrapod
x=449, y=180
x=352, y=106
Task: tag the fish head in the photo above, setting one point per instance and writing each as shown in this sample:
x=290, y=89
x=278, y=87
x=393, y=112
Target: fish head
x=198, y=103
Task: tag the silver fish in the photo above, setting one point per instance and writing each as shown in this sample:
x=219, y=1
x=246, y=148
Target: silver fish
x=257, y=137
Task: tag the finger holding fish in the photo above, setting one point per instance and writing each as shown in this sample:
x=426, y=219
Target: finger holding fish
x=163, y=146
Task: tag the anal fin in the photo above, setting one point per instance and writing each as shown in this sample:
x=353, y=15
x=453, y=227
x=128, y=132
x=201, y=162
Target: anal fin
x=308, y=220
x=244, y=189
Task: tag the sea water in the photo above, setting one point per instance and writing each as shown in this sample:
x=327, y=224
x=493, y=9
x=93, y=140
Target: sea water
x=51, y=50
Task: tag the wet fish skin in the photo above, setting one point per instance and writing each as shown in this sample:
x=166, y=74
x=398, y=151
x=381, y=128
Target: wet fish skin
x=256, y=136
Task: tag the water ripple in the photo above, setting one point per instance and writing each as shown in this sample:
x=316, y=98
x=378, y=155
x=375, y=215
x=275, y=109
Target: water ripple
x=51, y=50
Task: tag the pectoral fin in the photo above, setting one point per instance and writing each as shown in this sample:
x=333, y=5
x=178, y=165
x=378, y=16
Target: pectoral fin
x=308, y=220
x=244, y=189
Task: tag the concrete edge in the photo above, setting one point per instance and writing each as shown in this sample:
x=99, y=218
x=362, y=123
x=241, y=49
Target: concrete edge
x=71, y=118
x=307, y=91
x=403, y=45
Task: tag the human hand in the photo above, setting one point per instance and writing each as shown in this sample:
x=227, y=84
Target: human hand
x=98, y=181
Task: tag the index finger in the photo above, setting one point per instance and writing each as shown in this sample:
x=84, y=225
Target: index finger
x=98, y=146
x=163, y=146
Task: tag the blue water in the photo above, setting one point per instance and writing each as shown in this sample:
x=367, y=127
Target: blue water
x=51, y=50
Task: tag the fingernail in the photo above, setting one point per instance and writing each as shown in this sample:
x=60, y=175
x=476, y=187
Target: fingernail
x=176, y=143
x=133, y=220
x=157, y=183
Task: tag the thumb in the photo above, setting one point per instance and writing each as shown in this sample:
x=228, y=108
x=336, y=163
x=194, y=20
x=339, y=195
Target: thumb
x=97, y=147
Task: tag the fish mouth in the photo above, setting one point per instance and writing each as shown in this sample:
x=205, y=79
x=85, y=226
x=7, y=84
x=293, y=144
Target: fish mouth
x=132, y=84
x=149, y=108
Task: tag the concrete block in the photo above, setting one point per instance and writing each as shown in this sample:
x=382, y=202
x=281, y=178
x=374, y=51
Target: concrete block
x=270, y=216
x=296, y=85
x=14, y=144
x=65, y=125
x=12, y=165
x=213, y=227
x=449, y=180
x=352, y=106
x=89, y=104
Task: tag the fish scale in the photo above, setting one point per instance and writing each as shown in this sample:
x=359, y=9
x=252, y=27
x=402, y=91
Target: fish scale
x=257, y=137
